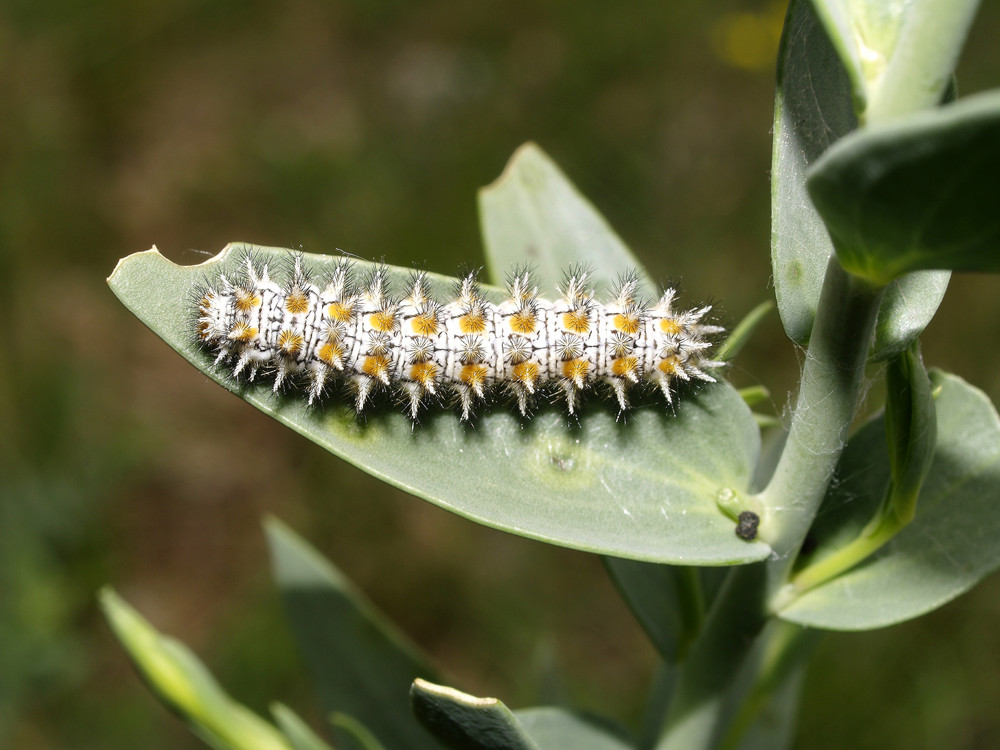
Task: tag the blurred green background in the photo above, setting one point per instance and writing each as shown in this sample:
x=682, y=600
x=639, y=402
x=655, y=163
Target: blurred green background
x=368, y=125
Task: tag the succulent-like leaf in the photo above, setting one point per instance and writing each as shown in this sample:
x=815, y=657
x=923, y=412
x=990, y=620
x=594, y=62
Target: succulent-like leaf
x=949, y=546
x=915, y=194
x=461, y=721
x=644, y=486
x=812, y=109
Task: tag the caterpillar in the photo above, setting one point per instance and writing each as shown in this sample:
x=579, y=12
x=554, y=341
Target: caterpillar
x=352, y=329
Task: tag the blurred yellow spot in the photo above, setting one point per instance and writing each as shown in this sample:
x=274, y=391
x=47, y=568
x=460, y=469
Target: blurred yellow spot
x=242, y=331
x=576, y=370
x=377, y=367
x=332, y=354
x=749, y=41
x=383, y=321
x=670, y=365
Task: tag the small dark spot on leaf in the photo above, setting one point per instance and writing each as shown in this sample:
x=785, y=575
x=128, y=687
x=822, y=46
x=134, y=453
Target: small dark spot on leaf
x=746, y=528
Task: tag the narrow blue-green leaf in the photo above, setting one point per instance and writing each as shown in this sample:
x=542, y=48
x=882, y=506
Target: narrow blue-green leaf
x=464, y=722
x=739, y=336
x=183, y=683
x=361, y=663
x=812, y=109
x=643, y=486
x=949, y=546
x=558, y=729
x=534, y=215
x=915, y=194
x=299, y=734
x=898, y=55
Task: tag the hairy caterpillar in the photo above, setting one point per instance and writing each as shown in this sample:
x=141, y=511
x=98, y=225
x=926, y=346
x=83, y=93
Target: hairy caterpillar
x=470, y=349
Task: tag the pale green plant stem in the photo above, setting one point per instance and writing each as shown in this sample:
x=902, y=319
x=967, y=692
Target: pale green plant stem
x=830, y=390
x=829, y=393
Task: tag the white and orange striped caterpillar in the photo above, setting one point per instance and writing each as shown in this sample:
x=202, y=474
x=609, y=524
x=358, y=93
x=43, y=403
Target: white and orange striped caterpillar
x=469, y=348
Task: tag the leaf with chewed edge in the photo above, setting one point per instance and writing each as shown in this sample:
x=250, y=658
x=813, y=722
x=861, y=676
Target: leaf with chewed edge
x=643, y=486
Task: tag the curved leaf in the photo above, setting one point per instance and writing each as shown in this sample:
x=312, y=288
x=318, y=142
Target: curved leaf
x=464, y=722
x=361, y=664
x=915, y=194
x=641, y=487
x=951, y=544
x=907, y=307
x=812, y=109
x=183, y=683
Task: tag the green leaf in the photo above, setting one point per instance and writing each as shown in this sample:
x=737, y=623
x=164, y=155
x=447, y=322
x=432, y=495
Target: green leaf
x=915, y=194
x=181, y=681
x=464, y=722
x=558, y=729
x=739, y=336
x=533, y=214
x=899, y=56
x=911, y=430
x=812, y=109
x=361, y=664
x=949, y=546
x=907, y=307
x=299, y=734
x=643, y=487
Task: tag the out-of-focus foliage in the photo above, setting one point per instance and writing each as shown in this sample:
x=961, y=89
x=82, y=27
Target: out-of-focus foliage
x=369, y=126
